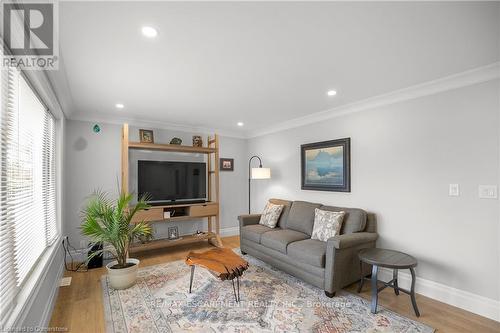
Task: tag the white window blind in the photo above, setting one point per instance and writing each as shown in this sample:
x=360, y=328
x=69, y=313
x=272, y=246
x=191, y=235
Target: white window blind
x=27, y=185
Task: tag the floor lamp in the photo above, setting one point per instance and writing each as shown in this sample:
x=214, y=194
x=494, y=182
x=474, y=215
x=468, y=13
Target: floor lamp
x=256, y=173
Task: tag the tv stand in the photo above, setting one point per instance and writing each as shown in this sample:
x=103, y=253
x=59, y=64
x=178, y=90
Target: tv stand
x=178, y=210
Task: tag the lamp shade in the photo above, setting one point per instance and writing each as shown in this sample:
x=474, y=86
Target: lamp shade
x=261, y=173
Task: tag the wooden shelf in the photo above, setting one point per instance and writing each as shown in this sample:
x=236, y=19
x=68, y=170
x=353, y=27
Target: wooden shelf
x=185, y=212
x=174, y=219
x=161, y=243
x=173, y=148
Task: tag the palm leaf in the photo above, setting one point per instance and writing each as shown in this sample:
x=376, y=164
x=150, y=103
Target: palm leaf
x=107, y=221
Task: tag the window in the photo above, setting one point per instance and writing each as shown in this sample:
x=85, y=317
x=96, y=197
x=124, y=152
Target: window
x=27, y=184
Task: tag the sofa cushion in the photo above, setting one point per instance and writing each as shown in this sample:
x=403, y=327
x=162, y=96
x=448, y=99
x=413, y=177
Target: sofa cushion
x=253, y=232
x=301, y=216
x=354, y=219
x=326, y=224
x=279, y=239
x=284, y=214
x=270, y=215
x=308, y=251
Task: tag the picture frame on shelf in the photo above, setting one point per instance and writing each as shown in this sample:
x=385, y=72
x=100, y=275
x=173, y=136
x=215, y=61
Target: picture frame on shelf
x=197, y=141
x=146, y=136
x=173, y=233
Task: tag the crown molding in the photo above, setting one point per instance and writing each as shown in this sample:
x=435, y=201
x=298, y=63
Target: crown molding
x=455, y=81
x=463, y=79
x=112, y=119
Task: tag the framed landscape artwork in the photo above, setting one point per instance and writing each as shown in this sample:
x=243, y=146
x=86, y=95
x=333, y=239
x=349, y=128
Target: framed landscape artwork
x=326, y=166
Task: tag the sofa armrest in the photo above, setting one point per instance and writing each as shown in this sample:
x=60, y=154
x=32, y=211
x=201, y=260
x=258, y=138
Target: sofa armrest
x=248, y=219
x=342, y=263
x=350, y=240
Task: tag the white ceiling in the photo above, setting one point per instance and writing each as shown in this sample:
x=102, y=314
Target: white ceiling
x=214, y=64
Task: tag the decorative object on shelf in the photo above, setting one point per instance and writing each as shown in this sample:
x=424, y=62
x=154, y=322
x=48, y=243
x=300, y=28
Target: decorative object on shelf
x=199, y=233
x=326, y=165
x=197, y=141
x=227, y=164
x=173, y=233
x=176, y=141
x=256, y=173
x=96, y=128
x=146, y=136
x=102, y=218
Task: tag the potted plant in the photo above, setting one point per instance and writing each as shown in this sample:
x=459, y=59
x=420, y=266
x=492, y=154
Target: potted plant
x=110, y=222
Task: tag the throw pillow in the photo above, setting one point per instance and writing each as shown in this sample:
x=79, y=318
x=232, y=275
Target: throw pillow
x=326, y=224
x=270, y=215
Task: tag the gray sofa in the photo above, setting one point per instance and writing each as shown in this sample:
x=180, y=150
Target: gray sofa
x=329, y=265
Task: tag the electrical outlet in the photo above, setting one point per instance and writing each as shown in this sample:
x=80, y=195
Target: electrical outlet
x=488, y=192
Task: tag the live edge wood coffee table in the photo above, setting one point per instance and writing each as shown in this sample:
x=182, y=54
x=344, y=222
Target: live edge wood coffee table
x=389, y=259
x=222, y=263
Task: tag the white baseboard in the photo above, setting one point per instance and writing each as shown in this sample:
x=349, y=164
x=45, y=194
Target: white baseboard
x=232, y=231
x=477, y=304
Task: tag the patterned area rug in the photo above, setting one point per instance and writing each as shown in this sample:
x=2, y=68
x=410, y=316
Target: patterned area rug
x=271, y=301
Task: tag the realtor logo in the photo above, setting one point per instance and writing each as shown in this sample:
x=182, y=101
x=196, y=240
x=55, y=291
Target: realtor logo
x=29, y=31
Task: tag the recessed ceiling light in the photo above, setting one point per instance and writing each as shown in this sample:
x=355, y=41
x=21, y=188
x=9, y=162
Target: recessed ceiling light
x=119, y=105
x=332, y=93
x=149, y=32
x=240, y=124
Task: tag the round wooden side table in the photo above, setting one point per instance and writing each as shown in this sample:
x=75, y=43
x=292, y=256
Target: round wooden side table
x=390, y=259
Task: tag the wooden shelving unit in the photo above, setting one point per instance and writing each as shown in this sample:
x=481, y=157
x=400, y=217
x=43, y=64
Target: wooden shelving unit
x=208, y=210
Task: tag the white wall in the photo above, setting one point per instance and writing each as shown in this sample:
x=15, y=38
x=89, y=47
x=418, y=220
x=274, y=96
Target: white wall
x=403, y=157
x=93, y=161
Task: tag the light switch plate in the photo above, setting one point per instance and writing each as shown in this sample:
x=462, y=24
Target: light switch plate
x=488, y=192
x=454, y=190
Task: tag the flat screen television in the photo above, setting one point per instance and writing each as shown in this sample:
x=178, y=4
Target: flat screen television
x=172, y=181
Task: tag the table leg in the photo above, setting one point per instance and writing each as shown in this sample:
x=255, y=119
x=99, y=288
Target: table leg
x=238, y=285
x=395, y=278
x=362, y=280
x=374, y=289
x=191, y=279
x=234, y=291
x=412, y=292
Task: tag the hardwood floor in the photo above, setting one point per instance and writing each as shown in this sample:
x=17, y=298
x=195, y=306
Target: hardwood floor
x=79, y=307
